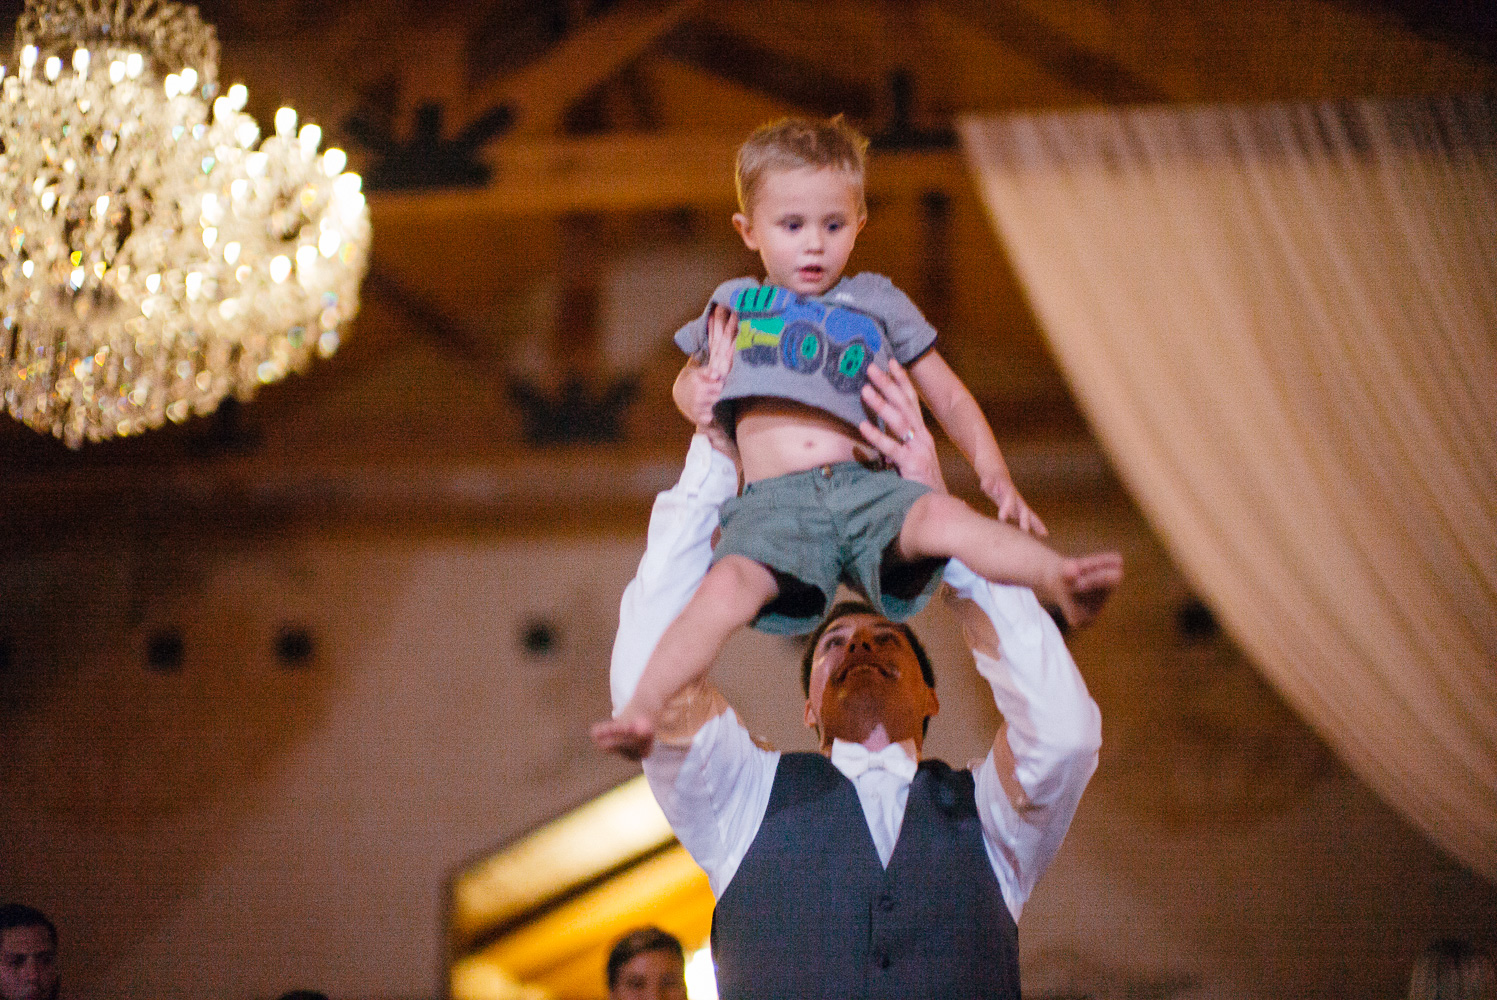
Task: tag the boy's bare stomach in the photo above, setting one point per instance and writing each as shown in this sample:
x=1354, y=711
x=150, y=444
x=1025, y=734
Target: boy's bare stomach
x=778, y=436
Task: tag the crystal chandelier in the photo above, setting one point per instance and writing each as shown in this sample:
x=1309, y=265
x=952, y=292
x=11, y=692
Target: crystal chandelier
x=155, y=255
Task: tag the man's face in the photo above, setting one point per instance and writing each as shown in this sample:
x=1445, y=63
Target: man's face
x=28, y=964
x=865, y=676
x=651, y=975
x=803, y=225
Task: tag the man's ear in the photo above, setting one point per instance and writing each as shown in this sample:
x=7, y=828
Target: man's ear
x=811, y=721
x=745, y=227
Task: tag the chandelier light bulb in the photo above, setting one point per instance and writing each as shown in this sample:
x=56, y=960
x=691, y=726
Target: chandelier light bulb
x=156, y=255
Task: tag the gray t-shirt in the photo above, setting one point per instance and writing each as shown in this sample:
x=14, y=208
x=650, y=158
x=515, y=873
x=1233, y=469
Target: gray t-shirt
x=814, y=351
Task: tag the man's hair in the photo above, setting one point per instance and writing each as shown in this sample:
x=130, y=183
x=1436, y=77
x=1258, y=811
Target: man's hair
x=21, y=915
x=841, y=610
x=793, y=143
x=637, y=943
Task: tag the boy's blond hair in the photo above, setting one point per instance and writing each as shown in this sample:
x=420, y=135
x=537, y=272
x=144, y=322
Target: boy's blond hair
x=793, y=143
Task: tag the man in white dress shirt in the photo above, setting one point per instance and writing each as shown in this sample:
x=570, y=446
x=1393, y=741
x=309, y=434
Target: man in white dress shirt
x=864, y=870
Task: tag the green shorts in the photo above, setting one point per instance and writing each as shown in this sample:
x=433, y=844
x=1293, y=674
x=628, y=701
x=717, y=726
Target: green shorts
x=829, y=525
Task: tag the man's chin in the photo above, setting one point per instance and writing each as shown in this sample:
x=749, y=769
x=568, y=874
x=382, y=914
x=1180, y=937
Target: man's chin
x=863, y=706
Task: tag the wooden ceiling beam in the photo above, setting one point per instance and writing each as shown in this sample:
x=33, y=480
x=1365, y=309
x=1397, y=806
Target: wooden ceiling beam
x=538, y=177
x=749, y=63
x=1094, y=73
x=541, y=93
x=268, y=487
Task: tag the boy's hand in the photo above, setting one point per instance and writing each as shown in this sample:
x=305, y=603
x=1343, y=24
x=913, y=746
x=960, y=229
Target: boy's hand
x=1081, y=585
x=1012, y=508
x=629, y=736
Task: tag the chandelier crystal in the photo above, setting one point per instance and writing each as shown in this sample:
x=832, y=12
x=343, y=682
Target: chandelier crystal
x=155, y=253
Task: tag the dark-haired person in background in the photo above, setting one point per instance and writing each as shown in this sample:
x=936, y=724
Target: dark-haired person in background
x=28, y=954
x=647, y=964
x=864, y=870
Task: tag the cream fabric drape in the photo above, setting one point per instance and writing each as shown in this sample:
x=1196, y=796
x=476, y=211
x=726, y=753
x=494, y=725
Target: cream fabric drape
x=1281, y=322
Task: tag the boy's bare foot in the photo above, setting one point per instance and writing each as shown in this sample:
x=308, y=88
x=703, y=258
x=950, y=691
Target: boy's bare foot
x=1083, y=585
x=629, y=737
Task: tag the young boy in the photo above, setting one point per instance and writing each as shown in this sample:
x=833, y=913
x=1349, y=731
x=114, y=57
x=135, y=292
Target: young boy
x=790, y=393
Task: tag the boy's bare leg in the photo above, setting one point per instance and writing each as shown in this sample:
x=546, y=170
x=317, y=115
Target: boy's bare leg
x=729, y=597
x=942, y=525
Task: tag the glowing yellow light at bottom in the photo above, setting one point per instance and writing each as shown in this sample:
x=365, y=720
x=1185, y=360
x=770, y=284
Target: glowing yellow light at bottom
x=701, y=978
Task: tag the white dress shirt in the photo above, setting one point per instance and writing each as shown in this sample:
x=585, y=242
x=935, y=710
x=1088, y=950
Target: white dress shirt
x=715, y=792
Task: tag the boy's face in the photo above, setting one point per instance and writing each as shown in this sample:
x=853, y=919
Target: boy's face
x=803, y=225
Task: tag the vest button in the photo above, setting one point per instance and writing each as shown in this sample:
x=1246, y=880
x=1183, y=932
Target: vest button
x=881, y=959
x=886, y=902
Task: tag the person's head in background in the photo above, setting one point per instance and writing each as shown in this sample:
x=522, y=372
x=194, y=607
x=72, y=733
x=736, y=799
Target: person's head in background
x=28, y=954
x=647, y=964
x=1451, y=969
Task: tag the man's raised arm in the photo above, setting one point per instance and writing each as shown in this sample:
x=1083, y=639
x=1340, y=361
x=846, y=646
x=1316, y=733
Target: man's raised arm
x=1045, y=753
x=709, y=777
x=1046, y=750
x=678, y=552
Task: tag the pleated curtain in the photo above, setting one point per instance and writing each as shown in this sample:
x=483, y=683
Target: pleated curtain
x=1281, y=323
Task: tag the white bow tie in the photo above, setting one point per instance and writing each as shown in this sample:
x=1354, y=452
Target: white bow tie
x=852, y=759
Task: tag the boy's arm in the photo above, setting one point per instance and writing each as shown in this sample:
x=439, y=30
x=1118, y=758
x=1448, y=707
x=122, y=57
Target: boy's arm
x=964, y=422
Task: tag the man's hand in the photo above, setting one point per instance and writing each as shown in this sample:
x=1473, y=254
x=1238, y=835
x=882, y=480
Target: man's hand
x=907, y=444
x=700, y=386
x=1012, y=508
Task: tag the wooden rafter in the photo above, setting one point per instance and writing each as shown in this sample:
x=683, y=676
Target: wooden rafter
x=628, y=172
x=541, y=93
x=1063, y=57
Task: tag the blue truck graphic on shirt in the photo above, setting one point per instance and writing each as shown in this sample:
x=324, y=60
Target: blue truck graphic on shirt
x=778, y=327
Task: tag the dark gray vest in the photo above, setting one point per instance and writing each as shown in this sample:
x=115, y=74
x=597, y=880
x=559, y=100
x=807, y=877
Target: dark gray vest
x=811, y=913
